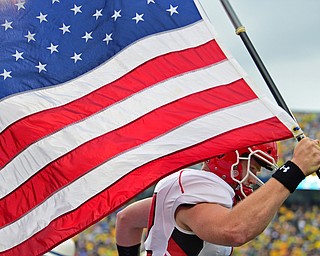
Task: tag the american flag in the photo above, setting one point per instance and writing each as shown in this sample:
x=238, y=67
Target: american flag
x=100, y=99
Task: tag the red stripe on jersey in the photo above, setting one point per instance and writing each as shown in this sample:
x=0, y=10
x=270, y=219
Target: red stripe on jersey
x=174, y=249
x=152, y=212
x=180, y=182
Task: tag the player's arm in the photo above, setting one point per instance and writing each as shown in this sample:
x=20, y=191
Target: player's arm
x=130, y=223
x=234, y=227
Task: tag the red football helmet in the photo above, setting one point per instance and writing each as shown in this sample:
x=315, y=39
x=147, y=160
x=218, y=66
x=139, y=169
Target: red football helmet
x=227, y=166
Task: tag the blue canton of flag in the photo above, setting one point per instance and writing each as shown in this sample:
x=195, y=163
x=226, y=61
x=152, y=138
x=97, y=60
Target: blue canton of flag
x=45, y=43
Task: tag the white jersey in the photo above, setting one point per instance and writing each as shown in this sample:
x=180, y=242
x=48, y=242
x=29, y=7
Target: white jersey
x=165, y=237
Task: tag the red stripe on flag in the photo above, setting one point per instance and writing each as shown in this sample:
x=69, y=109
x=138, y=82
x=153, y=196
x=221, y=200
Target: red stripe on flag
x=30, y=129
x=119, y=193
x=91, y=154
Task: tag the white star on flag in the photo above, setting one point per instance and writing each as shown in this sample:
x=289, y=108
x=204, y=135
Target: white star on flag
x=41, y=67
x=151, y=1
x=76, y=57
x=76, y=9
x=172, y=10
x=42, y=17
x=18, y=55
x=53, y=1
x=116, y=15
x=65, y=28
x=53, y=48
x=6, y=74
x=87, y=36
x=20, y=5
x=7, y=25
x=30, y=36
x=98, y=14
x=138, y=17
x=108, y=38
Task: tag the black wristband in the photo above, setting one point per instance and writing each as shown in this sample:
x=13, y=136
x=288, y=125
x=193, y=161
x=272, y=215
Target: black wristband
x=289, y=175
x=133, y=250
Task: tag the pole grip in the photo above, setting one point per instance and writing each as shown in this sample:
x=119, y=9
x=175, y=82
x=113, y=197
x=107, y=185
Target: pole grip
x=299, y=135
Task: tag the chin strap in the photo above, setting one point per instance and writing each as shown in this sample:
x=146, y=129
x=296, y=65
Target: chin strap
x=241, y=193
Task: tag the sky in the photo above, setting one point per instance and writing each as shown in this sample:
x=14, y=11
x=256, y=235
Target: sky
x=286, y=35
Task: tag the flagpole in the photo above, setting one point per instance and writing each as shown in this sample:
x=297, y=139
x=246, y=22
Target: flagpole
x=241, y=31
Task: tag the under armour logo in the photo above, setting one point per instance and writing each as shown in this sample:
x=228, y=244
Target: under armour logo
x=285, y=168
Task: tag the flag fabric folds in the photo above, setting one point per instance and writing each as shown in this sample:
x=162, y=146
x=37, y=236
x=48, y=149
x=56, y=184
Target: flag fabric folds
x=100, y=99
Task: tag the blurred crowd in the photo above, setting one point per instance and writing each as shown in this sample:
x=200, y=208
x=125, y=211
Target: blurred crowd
x=294, y=231
x=99, y=239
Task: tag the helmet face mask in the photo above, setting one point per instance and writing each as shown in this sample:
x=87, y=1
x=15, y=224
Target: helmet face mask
x=246, y=162
x=238, y=168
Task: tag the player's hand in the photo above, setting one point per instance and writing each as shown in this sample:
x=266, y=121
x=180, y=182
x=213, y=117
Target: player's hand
x=307, y=155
